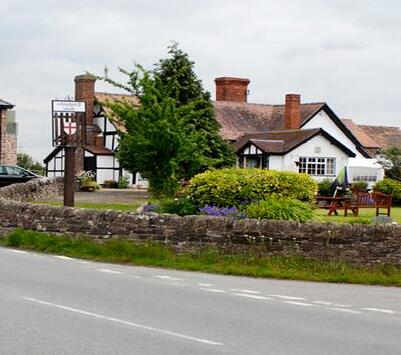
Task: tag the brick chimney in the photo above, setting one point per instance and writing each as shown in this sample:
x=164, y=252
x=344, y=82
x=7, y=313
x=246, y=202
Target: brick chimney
x=292, y=111
x=231, y=89
x=85, y=91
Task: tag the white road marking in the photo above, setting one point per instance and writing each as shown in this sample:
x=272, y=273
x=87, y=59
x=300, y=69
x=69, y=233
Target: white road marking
x=135, y=276
x=18, y=251
x=300, y=304
x=324, y=303
x=244, y=291
x=121, y=321
x=256, y=297
x=108, y=271
x=205, y=284
x=63, y=257
x=84, y=262
x=388, y=311
x=342, y=305
x=215, y=290
x=166, y=277
x=345, y=310
x=288, y=297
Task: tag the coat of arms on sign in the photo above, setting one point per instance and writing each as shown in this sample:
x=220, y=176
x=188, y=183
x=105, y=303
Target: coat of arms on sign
x=69, y=126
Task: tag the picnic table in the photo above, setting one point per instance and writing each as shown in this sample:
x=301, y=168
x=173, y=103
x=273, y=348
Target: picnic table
x=333, y=204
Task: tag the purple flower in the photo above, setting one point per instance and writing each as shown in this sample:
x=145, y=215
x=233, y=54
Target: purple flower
x=222, y=211
x=150, y=208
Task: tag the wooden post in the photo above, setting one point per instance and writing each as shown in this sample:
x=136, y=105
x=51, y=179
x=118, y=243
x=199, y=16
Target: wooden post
x=69, y=176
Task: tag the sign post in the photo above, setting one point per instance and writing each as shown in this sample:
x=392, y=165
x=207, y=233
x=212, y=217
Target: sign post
x=67, y=119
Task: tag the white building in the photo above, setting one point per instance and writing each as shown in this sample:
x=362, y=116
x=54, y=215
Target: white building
x=300, y=137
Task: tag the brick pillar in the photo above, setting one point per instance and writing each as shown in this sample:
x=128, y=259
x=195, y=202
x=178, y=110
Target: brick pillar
x=292, y=111
x=232, y=89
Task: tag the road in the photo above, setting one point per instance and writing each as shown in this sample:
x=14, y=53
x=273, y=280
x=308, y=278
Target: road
x=57, y=305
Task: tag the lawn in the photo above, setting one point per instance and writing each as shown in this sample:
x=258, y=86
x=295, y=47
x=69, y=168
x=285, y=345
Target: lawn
x=365, y=216
x=127, y=207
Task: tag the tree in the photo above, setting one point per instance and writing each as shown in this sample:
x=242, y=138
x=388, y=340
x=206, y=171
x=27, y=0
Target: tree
x=24, y=160
x=173, y=134
x=391, y=161
x=177, y=74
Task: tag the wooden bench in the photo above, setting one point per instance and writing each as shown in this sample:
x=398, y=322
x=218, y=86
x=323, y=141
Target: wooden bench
x=376, y=200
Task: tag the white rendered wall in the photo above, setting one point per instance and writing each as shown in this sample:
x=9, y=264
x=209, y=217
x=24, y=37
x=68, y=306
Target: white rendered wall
x=322, y=120
x=311, y=149
x=106, y=161
x=276, y=162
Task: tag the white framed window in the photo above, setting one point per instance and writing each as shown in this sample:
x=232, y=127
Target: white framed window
x=317, y=166
x=365, y=178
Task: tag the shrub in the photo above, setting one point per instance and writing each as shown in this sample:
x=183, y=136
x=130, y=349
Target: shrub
x=326, y=188
x=222, y=211
x=276, y=207
x=390, y=186
x=181, y=206
x=124, y=182
x=151, y=208
x=360, y=186
x=235, y=187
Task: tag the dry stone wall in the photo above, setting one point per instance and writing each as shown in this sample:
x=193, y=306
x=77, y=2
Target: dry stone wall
x=360, y=244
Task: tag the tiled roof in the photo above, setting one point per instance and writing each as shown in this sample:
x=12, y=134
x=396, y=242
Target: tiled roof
x=282, y=142
x=5, y=104
x=385, y=136
x=101, y=97
x=98, y=150
x=364, y=138
x=238, y=118
x=278, y=142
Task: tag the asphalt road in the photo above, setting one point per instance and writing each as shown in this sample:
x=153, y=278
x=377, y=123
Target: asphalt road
x=57, y=305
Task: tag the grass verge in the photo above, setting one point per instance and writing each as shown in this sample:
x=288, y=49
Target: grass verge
x=151, y=254
x=127, y=207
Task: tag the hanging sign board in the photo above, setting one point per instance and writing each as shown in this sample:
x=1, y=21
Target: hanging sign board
x=68, y=106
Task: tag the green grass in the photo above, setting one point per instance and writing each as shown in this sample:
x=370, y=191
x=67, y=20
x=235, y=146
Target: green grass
x=365, y=216
x=128, y=207
x=249, y=264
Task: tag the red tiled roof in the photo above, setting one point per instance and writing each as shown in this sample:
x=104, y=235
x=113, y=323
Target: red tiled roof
x=97, y=150
x=238, y=118
x=278, y=142
x=364, y=138
x=385, y=136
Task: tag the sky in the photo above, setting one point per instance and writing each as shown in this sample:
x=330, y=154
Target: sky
x=343, y=52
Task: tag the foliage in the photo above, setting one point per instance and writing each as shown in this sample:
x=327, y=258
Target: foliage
x=236, y=187
x=208, y=260
x=180, y=206
x=86, y=178
x=216, y=211
x=390, y=186
x=24, y=160
x=326, y=188
x=360, y=186
x=391, y=161
x=282, y=208
x=124, y=182
x=173, y=133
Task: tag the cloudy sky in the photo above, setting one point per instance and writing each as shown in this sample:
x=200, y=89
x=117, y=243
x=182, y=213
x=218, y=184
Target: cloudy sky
x=344, y=52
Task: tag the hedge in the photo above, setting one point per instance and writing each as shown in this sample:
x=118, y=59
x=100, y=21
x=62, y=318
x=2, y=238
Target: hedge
x=235, y=187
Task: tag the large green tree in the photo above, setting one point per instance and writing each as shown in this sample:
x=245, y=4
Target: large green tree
x=391, y=161
x=173, y=134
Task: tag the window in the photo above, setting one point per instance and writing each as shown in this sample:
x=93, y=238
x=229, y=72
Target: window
x=366, y=178
x=316, y=166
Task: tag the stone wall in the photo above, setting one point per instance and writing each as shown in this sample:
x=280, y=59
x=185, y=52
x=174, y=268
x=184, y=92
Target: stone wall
x=360, y=244
x=37, y=189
